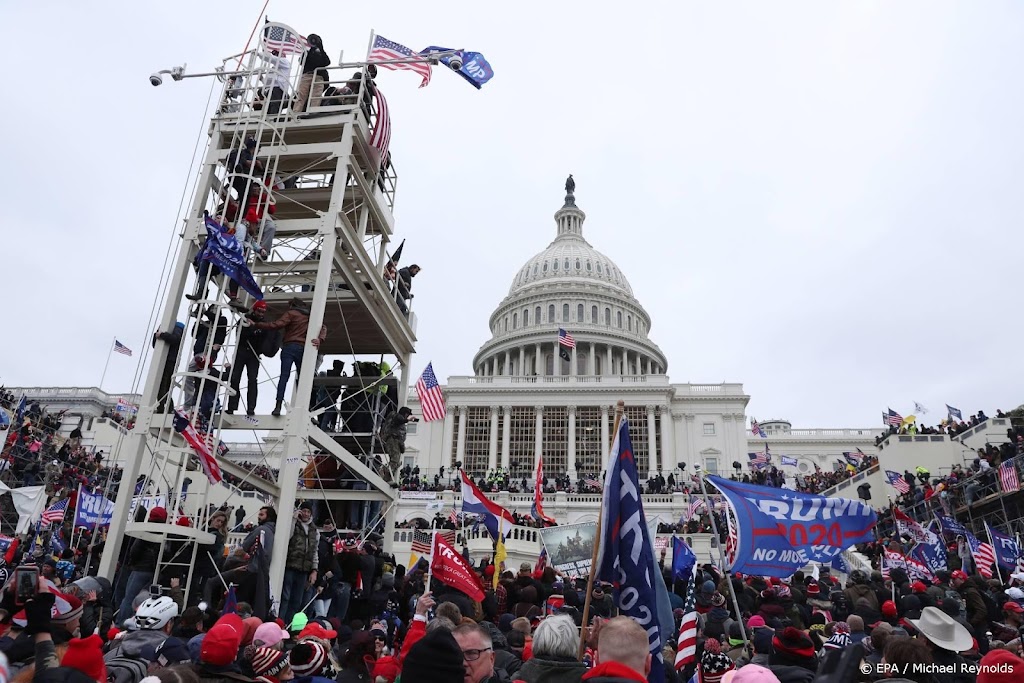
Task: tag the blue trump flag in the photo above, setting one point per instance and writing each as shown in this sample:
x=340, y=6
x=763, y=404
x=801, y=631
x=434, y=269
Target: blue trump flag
x=931, y=555
x=625, y=553
x=780, y=531
x=683, y=560
x=1007, y=551
x=951, y=526
x=224, y=251
x=840, y=564
x=92, y=509
x=475, y=68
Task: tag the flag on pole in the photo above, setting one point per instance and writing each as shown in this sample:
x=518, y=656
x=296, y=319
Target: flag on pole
x=474, y=501
x=284, y=41
x=918, y=408
x=625, y=555
x=55, y=513
x=384, y=50
x=1008, y=476
x=223, y=250
x=453, y=516
x=230, y=602
x=565, y=343
x=954, y=413
x=422, y=542
x=897, y=481
x=542, y=562
x=696, y=503
x=683, y=560
x=984, y=555
x=380, y=138
x=756, y=430
x=686, y=644
x=537, y=510
x=894, y=418
x=500, y=555
x=451, y=569
x=121, y=348
x=201, y=448
x=430, y=395
x=787, y=460
x=1006, y=549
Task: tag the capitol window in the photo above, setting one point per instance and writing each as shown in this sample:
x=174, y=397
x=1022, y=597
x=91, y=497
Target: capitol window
x=709, y=429
x=536, y=316
x=535, y=270
x=599, y=266
x=545, y=266
x=526, y=317
x=515, y=320
x=567, y=264
x=579, y=313
x=565, y=312
x=618, y=319
x=629, y=323
x=551, y=313
x=593, y=314
x=577, y=264
x=589, y=268
x=608, y=317
x=554, y=264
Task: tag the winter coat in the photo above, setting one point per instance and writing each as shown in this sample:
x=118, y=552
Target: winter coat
x=295, y=323
x=208, y=673
x=133, y=643
x=857, y=591
x=250, y=337
x=792, y=674
x=264, y=535
x=539, y=670
x=302, y=547
x=143, y=555
x=613, y=672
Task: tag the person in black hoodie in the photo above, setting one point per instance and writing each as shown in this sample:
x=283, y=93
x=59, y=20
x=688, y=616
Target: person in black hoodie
x=250, y=345
x=173, y=339
x=314, y=75
x=141, y=564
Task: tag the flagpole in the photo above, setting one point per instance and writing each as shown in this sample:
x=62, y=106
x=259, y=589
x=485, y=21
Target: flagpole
x=721, y=556
x=106, y=365
x=99, y=517
x=430, y=564
x=620, y=408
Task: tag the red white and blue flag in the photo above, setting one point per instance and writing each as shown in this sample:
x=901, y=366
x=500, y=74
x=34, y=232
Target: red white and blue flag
x=1008, y=477
x=430, y=394
x=897, y=481
x=121, y=348
x=55, y=513
x=756, y=430
x=279, y=38
x=201, y=448
x=537, y=511
x=380, y=138
x=686, y=643
x=384, y=51
x=894, y=418
x=475, y=502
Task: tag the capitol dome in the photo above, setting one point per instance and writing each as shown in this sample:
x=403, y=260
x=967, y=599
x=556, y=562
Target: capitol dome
x=571, y=286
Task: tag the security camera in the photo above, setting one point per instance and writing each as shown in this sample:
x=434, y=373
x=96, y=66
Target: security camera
x=155, y=79
x=455, y=62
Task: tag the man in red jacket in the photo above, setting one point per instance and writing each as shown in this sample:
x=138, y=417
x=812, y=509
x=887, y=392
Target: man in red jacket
x=623, y=653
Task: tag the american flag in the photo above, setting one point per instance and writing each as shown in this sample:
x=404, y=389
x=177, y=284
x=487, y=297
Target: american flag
x=756, y=430
x=430, y=394
x=422, y=542
x=854, y=458
x=894, y=418
x=565, y=339
x=284, y=41
x=202, y=448
x=1008, y=477
x=448, y=535
x=542, y=561
x=984, y=555
x=121, y=348
x=897, y=481
x=695, y=504
x=453, y=516
x=758, y=460
x=380, y=139
x=384, y=50
x=593, y=482
x=55, y=513
x=686, y=644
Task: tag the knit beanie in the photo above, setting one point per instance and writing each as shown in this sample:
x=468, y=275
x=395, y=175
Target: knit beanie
x=268, y=662
x=86, y=655
x=1000, y=666
x=308, y=658
x=838, y=641
x=713, y=662
x=792, y=642
x=435, y=658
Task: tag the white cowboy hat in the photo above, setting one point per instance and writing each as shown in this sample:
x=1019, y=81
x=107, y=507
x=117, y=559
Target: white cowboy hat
x=942, y=630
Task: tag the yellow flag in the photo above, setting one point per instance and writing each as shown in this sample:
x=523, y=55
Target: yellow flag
x=499, y=557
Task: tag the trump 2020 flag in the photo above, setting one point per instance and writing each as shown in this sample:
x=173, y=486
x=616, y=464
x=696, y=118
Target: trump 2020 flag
x=475, y=68
x=625, y=556
x=224, y=251
x=780, y=531
x=1007, y=552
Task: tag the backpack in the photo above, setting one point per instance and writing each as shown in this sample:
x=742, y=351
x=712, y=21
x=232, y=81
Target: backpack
x=272, y=340
x=995, y=613
x=126, y=670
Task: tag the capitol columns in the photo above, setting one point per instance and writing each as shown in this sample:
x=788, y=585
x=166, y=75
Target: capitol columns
x=652, y=442
x=680, y=451
x=571, y=461
x=605, y=443
x=538, y=438
x=667, y=455
x=492, y=453
x=506, y=435
x=522, y=362
x=592, y=360
x=572, y=363
x=538, y=362
x=446, y=434
x=460, y=445
x=608, y=370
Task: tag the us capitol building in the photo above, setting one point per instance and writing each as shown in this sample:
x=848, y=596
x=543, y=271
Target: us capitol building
x=525, y=398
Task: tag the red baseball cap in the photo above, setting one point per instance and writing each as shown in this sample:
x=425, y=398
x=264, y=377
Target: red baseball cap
x=1012, y=606
x=959, y=575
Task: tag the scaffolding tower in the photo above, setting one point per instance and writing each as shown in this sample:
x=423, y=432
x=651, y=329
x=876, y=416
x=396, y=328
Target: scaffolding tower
x=333, y=197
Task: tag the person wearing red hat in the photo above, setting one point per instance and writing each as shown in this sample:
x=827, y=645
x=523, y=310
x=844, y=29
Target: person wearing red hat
x=1000, y=666
x=977, y=610
x=1013, y=619
x=889, y=612
x=219, y=650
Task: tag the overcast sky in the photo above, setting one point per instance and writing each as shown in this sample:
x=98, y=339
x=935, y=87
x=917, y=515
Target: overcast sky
x=820, y=200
